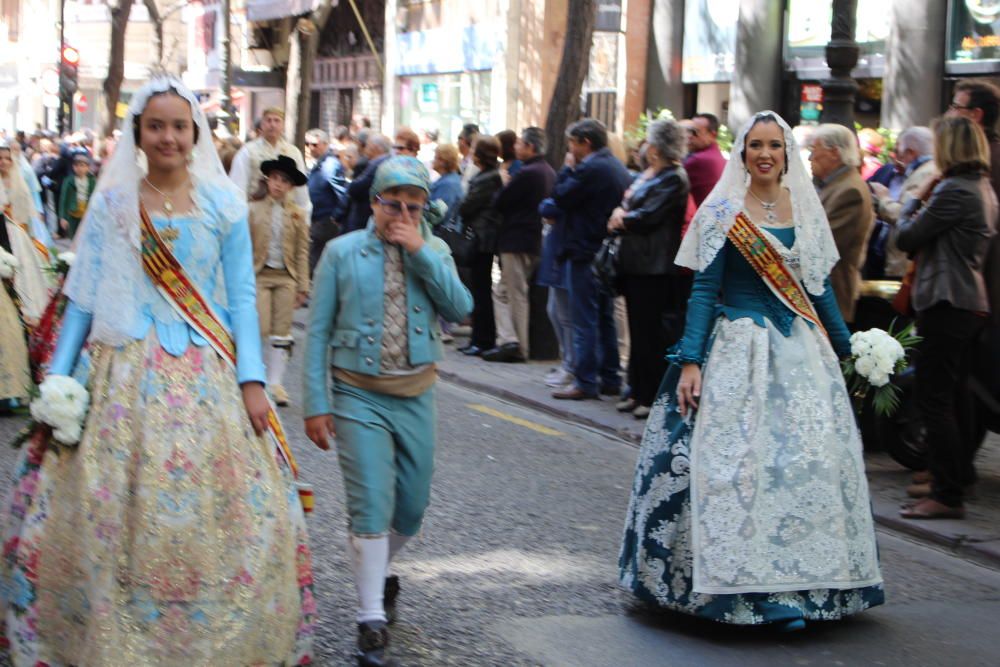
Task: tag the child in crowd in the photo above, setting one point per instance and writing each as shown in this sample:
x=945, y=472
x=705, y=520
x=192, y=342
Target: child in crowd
x=280, y=234
x=75, y=194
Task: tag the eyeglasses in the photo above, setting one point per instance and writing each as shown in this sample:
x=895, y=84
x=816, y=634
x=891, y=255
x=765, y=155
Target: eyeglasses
x=395, y=208
x=959, y=107
x=312, y=143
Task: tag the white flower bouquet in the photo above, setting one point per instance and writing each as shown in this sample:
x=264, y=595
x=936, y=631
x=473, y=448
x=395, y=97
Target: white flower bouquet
x=62, y=404
x=62, y=263
x=8, y=264
x=876, y=356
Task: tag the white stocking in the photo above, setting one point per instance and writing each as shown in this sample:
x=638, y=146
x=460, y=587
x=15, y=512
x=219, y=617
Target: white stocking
x=369, y=560
x=277, y=362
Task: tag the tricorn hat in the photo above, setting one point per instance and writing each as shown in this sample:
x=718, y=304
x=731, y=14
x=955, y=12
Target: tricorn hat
x=286, y=165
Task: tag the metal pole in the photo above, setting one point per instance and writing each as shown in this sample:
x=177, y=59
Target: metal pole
x=60, y=110
x=841, y=56
x=225, y=95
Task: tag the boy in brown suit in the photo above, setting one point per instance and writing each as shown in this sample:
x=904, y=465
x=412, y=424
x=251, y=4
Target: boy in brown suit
x=279, y=230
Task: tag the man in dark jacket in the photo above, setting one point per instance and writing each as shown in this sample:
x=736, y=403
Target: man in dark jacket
x=327, y=192
x=588, y=189
x=378, y=149
x=519, y=244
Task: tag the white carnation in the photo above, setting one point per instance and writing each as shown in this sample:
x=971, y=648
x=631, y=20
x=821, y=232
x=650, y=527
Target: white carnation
x=62, y=404
x=878, y=379
x=67, y=257
x=864, y=365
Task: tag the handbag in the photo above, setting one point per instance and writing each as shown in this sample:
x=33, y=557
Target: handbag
x=460, y=239
x=902, y=303
x=607, y=264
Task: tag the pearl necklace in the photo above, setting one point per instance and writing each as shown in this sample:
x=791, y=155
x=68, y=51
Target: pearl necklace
x=768, y=206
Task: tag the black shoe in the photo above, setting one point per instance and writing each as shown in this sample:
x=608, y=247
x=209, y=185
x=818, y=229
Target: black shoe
x=507, y=353
x=373, y=645
x=472, y=351
x=389, y=595
x=611, y=391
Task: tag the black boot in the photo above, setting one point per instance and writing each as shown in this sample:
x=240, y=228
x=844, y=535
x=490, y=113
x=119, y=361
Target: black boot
x=389, y=595
x=373, y=645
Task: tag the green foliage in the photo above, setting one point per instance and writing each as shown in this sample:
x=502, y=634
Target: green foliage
x=637, y=134
x=725, y=139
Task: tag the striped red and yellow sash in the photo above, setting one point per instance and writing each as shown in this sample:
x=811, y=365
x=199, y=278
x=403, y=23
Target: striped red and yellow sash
x=769, y=265
x=173, y=283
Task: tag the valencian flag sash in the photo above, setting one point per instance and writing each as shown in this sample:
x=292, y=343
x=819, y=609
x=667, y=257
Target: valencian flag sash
x=173, y=283
x=768, y=264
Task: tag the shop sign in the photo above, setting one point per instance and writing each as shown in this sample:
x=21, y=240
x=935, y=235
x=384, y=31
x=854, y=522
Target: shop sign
x=443, y=50
x=973, y=32
x=809, y=23
x=429, y=97
x=709, y=40
x=811, y=104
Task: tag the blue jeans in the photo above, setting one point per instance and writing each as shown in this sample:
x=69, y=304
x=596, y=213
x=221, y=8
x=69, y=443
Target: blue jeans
x=562, y=324
x=595, y=341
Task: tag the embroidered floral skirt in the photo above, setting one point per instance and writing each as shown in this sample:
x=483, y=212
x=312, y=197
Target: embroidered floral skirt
x=170, y=536
x=15, y=377
x=660, y=548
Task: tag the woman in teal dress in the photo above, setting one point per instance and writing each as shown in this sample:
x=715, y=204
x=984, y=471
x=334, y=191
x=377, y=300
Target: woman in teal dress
x=749, y=503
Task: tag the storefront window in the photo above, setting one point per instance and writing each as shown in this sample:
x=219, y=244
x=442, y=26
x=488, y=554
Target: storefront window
x=973, y=36
x=445, y=102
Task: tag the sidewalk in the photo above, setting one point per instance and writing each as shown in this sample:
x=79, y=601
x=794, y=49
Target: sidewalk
x=977, y=537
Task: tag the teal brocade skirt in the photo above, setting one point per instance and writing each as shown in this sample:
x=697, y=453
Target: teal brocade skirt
x=655, y=562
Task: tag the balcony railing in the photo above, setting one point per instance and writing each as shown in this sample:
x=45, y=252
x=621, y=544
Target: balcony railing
x=346, y=72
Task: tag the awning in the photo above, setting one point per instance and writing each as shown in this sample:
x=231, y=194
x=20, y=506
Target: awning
x=266, y=10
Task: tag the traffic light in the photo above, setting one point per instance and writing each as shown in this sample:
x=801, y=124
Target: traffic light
x=69, y=71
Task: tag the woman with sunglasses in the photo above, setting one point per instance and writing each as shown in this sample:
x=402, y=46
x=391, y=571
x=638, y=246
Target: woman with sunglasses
x=377, y=297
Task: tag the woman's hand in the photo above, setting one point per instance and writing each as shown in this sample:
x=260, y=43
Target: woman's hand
x=689, y=388
x=319, y=429
x=301, y=298
x=257, y=406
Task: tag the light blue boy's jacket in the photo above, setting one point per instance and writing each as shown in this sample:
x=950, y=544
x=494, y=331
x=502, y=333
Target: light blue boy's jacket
x=346, y=308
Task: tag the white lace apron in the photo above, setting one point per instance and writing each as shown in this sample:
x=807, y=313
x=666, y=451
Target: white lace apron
x=778, y=490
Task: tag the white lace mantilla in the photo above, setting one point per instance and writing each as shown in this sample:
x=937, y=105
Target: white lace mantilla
x=779, y=498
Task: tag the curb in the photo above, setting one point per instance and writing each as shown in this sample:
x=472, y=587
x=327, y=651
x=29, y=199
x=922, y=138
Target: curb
x=977, y=552
x=519, y=399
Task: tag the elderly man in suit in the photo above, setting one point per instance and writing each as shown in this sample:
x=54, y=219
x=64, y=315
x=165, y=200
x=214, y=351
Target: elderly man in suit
x=915, y=153
x=835, y=160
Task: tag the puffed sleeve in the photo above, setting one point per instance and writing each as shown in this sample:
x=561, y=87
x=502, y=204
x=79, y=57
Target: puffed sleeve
x=701, y=311
x=72, y=335
x=241, y=293
x=829, y=314
x=322, y=313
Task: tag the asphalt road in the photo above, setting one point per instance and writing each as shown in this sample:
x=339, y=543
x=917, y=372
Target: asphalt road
x=517, y=565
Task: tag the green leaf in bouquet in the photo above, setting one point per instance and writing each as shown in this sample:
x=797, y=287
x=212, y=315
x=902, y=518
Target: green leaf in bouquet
x=885, y=400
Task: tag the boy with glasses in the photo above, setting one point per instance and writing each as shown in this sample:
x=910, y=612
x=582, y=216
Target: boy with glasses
x=377, y=296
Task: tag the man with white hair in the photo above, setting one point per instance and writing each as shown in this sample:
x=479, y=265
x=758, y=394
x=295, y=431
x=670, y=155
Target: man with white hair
x=835, y=160
x=327, y=191
x=914, y=153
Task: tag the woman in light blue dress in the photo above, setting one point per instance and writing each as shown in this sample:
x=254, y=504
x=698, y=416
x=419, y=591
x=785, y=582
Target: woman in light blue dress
x=750, y=504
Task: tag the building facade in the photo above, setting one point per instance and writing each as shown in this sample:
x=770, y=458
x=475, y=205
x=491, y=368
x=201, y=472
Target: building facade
x=733, y=57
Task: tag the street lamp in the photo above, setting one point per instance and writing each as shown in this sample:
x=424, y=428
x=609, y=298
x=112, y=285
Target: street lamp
x=841, y=56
